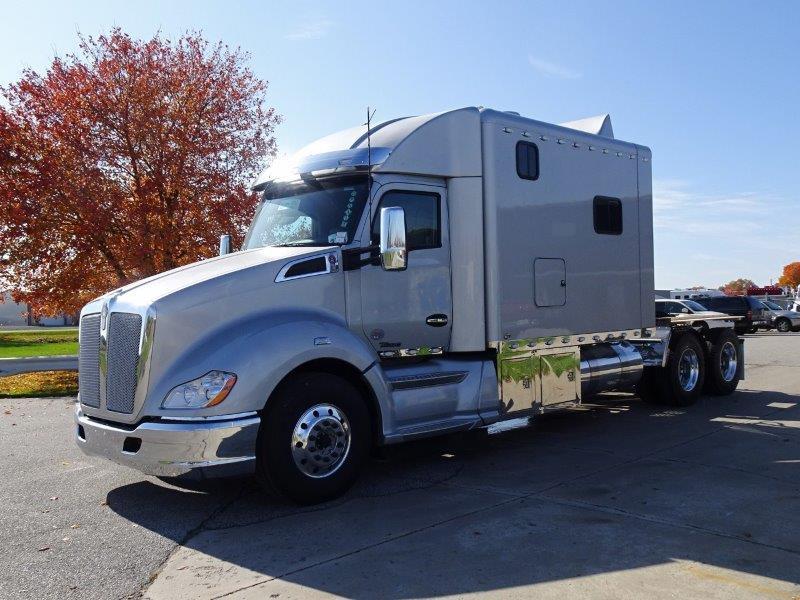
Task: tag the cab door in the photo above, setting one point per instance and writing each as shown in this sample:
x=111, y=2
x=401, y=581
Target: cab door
x=407, y=312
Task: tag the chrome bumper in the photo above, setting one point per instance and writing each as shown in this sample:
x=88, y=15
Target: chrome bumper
x=174, y=448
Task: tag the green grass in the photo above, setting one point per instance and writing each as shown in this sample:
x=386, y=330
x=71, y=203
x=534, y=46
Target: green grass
x=45, y=384
x=39, y=342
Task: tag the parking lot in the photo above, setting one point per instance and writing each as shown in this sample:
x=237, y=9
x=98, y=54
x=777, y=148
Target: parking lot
x=617, y=499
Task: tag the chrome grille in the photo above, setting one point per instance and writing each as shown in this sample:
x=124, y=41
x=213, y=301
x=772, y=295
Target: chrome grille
x=89, y=361
x=124, y=332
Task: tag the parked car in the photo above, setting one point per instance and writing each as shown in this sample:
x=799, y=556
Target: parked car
x=750, y=309
x=779, y=318
x=666, y=308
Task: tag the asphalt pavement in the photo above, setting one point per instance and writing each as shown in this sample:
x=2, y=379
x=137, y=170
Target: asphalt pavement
x=616, y=499
x=30, y=364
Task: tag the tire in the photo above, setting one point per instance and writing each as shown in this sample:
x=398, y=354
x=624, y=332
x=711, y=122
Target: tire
x=302, y=450
x=753, y=330
x=722, y=363
x=680, y=383
x=783, y=325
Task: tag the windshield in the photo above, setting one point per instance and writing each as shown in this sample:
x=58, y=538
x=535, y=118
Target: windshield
x=771, y=305
x=315, y=212
x=694, y=305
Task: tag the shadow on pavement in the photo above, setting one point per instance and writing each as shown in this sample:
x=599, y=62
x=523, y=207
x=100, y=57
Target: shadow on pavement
x=611, y=487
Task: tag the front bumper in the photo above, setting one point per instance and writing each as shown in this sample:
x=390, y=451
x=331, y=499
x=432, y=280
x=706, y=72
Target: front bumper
x=170, y=448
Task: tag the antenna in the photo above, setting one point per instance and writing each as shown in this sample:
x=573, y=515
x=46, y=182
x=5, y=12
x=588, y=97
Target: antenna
x=369, y=170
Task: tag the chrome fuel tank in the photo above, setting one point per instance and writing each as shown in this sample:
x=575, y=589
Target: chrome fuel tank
x=613, y=367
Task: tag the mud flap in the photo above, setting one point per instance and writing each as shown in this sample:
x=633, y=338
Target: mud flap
x=740, y=366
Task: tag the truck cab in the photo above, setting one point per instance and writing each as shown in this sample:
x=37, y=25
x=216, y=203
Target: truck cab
x=470, y=269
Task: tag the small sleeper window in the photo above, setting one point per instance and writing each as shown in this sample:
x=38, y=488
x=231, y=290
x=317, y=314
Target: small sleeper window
x=607, y=215
x=527, y=160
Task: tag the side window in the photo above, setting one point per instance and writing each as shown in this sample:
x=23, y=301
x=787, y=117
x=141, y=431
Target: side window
x=607, y=215
x=423, y=218
x=527, y=160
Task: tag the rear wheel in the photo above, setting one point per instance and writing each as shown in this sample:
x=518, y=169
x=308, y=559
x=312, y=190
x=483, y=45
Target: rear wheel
x=681, y=381
x=723, y=372
x=314, y=438
x=783, y=325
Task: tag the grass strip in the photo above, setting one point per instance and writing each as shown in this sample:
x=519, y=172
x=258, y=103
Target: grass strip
x=38, y=342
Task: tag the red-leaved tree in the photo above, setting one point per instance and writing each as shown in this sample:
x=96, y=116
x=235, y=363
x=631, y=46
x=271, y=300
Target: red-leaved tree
x=125, y=159
x=790, y=275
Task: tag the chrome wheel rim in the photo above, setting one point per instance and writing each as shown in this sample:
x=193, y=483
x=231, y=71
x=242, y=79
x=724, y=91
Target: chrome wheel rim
x=688, y=370
x=783, y=326
x=321, y=441
x=728, y=361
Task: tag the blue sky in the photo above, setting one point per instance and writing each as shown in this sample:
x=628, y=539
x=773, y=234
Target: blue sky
x=712, y=87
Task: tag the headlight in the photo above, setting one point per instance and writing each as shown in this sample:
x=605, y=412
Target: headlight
x=203, y=392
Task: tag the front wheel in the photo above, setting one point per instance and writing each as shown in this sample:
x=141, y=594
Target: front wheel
x=681, y=381
x=314, y=437
x=783, y=325
x=723, y=363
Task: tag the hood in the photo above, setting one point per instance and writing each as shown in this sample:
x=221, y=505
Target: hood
x=147, y=291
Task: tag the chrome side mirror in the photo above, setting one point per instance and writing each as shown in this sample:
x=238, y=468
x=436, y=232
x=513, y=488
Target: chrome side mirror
x=224, y=245
x=685, y=310
x=393, y=238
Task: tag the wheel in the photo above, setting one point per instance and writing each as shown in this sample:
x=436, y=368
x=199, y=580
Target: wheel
x=753, y=330
x=722, y=366
x=315, y=435
x=783, y=325
x=681, y=381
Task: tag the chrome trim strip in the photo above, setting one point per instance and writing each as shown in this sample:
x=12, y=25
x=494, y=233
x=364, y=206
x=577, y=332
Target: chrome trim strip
x=210, y=418
x=582, y=339
x=408, y=382
x=405, y=352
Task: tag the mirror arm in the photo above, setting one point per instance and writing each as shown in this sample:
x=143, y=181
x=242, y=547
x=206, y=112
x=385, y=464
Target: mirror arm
x=352, y=257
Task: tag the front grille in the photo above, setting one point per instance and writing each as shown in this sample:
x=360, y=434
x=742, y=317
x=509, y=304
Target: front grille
x=124, y=331
x=89, y=361
x=119, y=378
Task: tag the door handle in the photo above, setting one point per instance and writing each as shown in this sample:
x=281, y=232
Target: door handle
x=563, y=283
x=437, y=320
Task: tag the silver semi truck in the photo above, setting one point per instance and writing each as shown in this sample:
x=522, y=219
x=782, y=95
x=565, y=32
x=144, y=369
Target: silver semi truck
x=439, y=273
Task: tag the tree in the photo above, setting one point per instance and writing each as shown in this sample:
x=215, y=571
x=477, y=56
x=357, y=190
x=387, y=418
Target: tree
x=737, y=287
x=124, y=160
x=791, y=275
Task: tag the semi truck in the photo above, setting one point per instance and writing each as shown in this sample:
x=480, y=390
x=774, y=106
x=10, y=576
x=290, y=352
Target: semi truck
x=464, y=270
